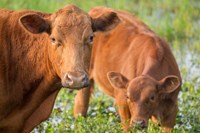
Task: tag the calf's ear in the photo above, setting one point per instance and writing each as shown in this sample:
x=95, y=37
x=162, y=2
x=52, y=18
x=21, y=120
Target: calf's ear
x=104, y=21
x=35, y=23
x=169, y=84
x=117, y=80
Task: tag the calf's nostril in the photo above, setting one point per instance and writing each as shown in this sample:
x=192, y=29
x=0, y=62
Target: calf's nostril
x=142, y=124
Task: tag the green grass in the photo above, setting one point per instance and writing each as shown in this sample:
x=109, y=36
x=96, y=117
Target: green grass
x=178, y=21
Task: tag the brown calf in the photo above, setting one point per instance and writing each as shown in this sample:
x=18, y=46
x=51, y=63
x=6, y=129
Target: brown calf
x=40, y=53
x=136, y=67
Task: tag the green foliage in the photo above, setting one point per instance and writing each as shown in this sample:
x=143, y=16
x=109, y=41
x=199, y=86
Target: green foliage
x=178, y=21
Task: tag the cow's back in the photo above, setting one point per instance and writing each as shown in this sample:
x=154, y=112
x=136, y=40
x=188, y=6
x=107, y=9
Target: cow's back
x=126, y=49
x=4, y=13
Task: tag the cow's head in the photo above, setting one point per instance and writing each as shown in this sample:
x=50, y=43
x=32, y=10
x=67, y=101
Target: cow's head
x=71, y=33
x=143, y=94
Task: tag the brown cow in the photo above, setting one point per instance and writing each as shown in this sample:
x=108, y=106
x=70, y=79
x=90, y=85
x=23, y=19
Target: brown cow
x=40, y=53
x=136, y=67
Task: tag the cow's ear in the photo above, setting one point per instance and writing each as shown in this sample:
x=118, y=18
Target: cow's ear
x=117, y=80
x=105, y=21
x=169, y=84
x=35, y=23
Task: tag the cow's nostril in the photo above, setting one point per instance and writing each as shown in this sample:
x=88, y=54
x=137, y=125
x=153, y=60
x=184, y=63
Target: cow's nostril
x=85, y=78
x=85, y=81
x=69, y=80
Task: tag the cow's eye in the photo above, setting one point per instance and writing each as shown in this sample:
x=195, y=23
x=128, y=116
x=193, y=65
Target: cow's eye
x=53, y=40
x=152, y=98
x=90, y=39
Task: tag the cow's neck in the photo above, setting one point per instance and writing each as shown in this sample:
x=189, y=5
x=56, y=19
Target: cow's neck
x=30, y=61
x=28, y=69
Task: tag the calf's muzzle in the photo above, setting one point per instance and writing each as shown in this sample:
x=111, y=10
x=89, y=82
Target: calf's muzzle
x=140, y=124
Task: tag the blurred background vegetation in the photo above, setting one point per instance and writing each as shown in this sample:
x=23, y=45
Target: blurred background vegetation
x=177, y=21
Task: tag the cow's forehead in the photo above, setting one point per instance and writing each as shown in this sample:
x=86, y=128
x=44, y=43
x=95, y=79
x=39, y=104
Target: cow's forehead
x=139, y=86
x=70, y=16
x=142, y=81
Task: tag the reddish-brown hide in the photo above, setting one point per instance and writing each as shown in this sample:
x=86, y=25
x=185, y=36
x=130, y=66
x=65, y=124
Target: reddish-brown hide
x=137, y=68
x=40, y=53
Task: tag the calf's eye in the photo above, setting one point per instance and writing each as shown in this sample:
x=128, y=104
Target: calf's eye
x=152, y=98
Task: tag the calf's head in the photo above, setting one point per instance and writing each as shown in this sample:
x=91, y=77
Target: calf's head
x=70, y=35
x=143, y=94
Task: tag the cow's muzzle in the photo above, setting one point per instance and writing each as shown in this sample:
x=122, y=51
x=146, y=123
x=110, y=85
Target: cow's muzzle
x=75, y=80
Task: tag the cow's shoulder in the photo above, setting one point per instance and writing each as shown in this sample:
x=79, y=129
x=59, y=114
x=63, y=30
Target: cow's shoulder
x=148, y=44
x=4, y=12
x=155, y=48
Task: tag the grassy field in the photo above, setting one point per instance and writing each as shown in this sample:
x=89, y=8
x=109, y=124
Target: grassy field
x=178, y=21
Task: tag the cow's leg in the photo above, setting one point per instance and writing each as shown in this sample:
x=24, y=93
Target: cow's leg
x=168, y=122
x=124, y=111
x=10, y=130
x=16, y=119
x=82, y=100
x=41, y=113
x=12, y=124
